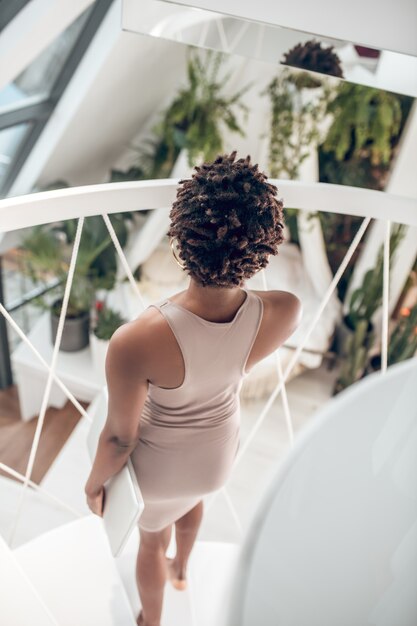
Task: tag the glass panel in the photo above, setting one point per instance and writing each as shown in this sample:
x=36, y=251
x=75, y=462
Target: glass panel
x=10, y=140
x=39, y=77
x=382, y=69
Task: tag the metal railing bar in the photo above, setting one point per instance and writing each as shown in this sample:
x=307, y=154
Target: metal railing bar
x=319, y=311
x=285, y=404
x=6, y=376
x=222, y=34
x=48, y=387
x=56, y=378
x=233, y=511
x=40, y=489
x=123, y=259
x=385, y=300
x=297, y=353
x=239, y=36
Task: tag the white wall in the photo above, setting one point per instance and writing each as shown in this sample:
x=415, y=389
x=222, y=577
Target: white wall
x=136, y=77
x=138, y=80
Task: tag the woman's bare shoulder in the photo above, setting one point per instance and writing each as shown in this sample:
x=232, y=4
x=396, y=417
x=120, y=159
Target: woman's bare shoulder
x=132, y=342
x=282, y=300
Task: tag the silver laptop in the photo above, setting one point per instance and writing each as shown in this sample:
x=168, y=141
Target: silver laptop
x=123, y=503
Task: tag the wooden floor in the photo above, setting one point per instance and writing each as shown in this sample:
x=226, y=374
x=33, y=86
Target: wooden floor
x=16, y=436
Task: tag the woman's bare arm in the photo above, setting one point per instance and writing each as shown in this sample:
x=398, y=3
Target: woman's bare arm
x=127, y=391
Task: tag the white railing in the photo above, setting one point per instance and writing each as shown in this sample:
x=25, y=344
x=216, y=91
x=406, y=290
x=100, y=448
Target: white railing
x=79, y=202
x=48, y=206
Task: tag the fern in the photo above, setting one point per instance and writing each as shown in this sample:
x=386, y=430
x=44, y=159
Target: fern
x=365, y=122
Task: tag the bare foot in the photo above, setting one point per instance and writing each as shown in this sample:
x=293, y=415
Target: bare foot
x=177, y=578
x=141, y=620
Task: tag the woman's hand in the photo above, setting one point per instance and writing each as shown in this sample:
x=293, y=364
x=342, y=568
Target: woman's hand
x=96, y=501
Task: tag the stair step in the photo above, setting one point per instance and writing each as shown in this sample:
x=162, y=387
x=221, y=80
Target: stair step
x=67, y=475
x=20, y=602
x=39, y=513
x=74, y=571
x=211, y=572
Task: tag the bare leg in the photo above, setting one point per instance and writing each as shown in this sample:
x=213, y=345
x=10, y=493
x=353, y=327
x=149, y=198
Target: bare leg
x=151, y=574
x=186, y=529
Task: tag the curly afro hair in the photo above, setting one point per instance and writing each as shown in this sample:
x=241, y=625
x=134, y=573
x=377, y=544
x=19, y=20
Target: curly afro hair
x=311, y=56
x=227, y=221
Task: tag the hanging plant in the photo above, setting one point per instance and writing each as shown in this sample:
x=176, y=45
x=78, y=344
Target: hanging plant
x=196, y=118
x=360, y=134
x=365, y=122
x=356, y=335
x=295, y=122
x=294, y=128
x=403, y=341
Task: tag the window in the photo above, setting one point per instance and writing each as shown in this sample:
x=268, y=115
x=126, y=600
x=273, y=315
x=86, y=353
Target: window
x=10, y=140
x=27, y=103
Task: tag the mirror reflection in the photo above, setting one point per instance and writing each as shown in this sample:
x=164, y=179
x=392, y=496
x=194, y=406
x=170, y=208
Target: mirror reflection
x=383, y=69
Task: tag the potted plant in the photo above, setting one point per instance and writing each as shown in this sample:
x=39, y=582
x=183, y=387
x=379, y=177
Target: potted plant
x=77, y=320
x=354, y=337
x=403, y=341
x=194, y=121
x=295, y=119
x=47, y=252
x=298, y=110
x=355, y=353
x=358, y=151
x=104, y=323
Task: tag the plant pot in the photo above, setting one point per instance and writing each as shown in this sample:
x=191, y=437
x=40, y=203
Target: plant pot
x=98, y=354
x=75, y=334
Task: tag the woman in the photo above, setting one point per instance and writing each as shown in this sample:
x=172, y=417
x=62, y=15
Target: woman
x=175, y=372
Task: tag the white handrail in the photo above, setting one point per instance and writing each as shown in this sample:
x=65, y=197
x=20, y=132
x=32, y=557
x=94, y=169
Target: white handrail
x=60, y=204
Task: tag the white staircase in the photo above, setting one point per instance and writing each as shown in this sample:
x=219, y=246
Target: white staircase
x=73, y=571
x=68, y=576
x=20, y=601
x=39, y=513
x=211, y=571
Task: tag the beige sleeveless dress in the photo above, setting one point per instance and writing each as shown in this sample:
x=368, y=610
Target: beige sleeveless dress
x=189, y=435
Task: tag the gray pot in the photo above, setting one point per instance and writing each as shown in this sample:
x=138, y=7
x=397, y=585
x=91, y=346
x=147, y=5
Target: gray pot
x=75, y=334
